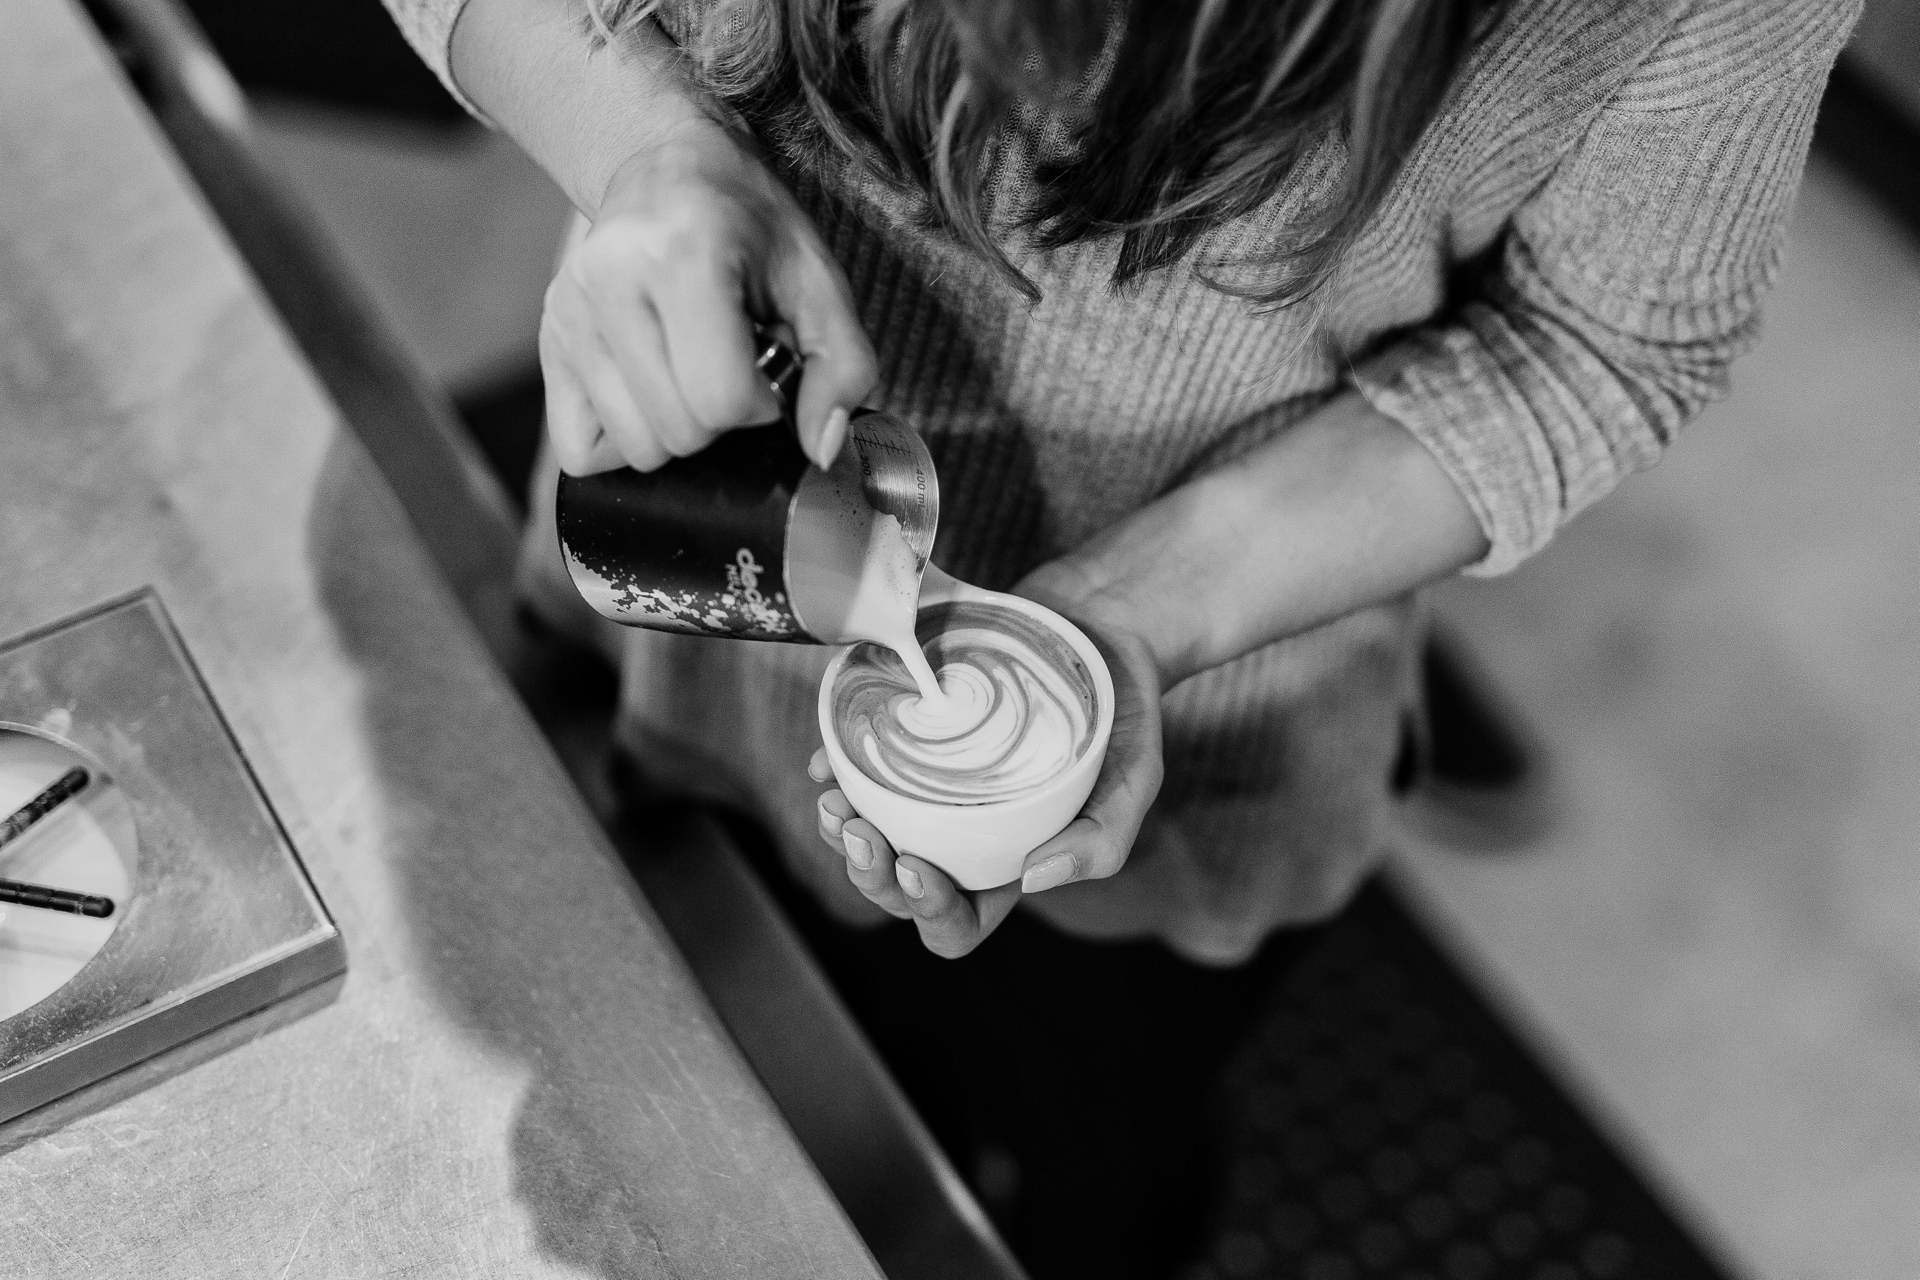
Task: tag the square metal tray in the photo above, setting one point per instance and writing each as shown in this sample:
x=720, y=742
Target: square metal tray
x=223, y=920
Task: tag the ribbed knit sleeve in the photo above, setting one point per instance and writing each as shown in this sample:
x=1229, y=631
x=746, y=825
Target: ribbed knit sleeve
x=428, y=27
x=1628, y=282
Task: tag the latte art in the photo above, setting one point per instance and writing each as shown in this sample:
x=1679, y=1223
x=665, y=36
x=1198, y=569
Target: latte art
x=1018, y=708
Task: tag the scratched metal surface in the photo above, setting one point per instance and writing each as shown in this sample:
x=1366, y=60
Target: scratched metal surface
x=519, y=1077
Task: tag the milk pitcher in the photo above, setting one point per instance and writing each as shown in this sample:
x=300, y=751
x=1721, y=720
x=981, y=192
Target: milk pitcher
x=747, y=538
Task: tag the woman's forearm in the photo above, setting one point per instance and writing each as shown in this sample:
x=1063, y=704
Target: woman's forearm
x=579, y=107
x=1344, y=510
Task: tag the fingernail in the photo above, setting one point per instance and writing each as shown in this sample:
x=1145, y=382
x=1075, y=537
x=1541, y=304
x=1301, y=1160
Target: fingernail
x=859, y=852
x=909, y=880
x=831, y=820
x=1055, y=870
x=832, y=436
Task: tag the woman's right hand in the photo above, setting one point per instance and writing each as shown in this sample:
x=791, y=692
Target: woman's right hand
x=647, y=340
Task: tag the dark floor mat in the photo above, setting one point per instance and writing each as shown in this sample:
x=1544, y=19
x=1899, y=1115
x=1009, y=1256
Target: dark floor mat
x=1383, y=1122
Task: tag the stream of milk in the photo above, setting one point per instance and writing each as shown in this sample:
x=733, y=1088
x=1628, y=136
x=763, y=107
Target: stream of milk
x=853, y=574
x=886, y=605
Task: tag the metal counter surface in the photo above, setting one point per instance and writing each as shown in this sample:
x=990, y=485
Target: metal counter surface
x=519, y=1077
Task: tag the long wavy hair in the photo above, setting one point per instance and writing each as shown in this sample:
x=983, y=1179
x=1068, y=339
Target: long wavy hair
x=1178, y=117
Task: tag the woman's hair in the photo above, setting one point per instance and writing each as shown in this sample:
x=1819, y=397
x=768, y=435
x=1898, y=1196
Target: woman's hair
x=1179, y=115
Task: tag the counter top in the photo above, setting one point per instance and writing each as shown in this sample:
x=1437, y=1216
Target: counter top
x=519, y=1077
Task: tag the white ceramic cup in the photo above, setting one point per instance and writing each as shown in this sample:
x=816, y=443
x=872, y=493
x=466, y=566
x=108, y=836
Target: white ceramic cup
x=979, y=845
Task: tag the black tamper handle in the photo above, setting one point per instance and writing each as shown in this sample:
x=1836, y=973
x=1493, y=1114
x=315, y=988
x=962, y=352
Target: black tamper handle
x=23, y=894
x=56, y=793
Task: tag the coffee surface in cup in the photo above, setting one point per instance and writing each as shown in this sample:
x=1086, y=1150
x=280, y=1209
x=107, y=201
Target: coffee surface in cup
x=1019, y=708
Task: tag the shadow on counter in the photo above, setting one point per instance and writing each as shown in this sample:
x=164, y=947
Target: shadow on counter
x=582, y=1174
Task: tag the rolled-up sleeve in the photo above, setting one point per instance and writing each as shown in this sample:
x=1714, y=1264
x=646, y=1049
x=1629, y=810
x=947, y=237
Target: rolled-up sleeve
x=428, y=27
x=1628, y=282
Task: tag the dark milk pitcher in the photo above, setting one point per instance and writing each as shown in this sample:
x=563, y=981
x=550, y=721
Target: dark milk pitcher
x=747, y=538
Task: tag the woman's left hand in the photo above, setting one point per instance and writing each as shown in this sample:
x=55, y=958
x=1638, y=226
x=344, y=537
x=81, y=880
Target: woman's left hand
x=953, y=921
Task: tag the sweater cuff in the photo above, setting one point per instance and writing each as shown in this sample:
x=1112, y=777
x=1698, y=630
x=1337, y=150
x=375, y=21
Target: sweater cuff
x=1437, y=384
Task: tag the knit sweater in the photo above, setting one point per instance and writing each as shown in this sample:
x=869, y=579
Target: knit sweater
x=1556, y=282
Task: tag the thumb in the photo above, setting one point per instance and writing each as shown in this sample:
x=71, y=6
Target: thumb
x=841, y=368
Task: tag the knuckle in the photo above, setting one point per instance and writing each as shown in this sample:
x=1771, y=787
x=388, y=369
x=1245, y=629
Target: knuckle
x=688, y=231
x=614, y=243
x=598, y=290
x=642, y=451
x=614, y=408
x=581, y=271
x=607, y=271
x=682, y=442
x=724, y=402
x=672, y=232
x=1102, y=863
x=572, y=458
